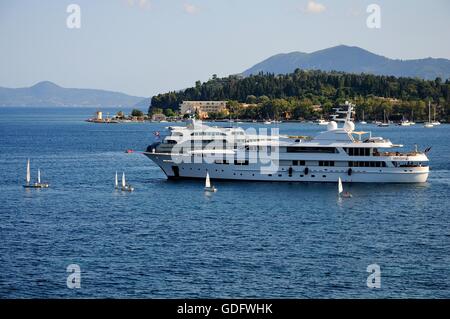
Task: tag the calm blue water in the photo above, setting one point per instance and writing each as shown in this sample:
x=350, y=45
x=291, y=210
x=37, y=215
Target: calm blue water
x=168, y=239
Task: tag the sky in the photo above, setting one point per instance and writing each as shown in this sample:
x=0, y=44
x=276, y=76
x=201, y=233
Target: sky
x=145, y=47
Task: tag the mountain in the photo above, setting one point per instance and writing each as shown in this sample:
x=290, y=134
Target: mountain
x=143, y=104
x=353, y=60
x=49, y=94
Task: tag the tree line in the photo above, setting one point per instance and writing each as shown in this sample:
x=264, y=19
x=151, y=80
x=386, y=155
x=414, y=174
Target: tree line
x=297, y=95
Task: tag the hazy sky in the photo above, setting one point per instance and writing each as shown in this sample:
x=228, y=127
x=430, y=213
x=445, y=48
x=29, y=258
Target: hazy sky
x=143, y=47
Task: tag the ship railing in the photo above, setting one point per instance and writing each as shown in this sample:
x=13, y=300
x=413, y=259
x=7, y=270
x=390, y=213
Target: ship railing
x=413, y=153
x=298, y=137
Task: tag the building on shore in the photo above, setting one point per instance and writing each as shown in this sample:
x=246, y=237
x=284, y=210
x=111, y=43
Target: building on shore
x=158, y=117
x=99, y=118
x=202, y=108
x=99, y=115
x=317, y=108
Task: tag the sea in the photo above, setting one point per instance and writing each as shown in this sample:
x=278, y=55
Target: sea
x=168, y=239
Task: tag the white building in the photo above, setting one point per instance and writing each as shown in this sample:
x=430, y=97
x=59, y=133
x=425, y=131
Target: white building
x=203, y=107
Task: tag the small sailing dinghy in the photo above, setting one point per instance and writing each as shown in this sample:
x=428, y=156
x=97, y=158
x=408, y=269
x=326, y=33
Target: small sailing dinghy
x=37, y=184
x=363, y=121
x=116, y=182
x=126, y=187
x=385, y=122
x=429, y=124
x=341, y=190
x=208, y=186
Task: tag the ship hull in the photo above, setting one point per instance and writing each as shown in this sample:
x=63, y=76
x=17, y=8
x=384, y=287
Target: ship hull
x=253, y=172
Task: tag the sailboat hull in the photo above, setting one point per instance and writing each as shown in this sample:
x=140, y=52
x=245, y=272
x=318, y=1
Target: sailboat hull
x=36, y=186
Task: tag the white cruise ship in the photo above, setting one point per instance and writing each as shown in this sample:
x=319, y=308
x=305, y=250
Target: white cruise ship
x=254, y=155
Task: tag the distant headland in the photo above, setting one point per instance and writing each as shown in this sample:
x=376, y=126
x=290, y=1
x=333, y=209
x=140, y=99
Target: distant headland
x=49, y=94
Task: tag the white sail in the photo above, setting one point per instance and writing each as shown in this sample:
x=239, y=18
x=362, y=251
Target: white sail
x=28, y=172
x=340, y=188
x=116, y=181
x=207, y=182
x=39, y=176
x=123, y=180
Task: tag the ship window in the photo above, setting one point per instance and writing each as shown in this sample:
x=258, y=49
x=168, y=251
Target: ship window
x=367, y=164
x=326, y=163
x=221, y=162
x=305, y=149
x=408, y=164
x=354, y=151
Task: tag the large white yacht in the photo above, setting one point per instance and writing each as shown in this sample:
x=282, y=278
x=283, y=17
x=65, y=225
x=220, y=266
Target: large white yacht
x=261, y=154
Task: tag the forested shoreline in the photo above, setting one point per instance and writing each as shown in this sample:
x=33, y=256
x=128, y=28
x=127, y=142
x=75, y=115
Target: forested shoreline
x=313, y=94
